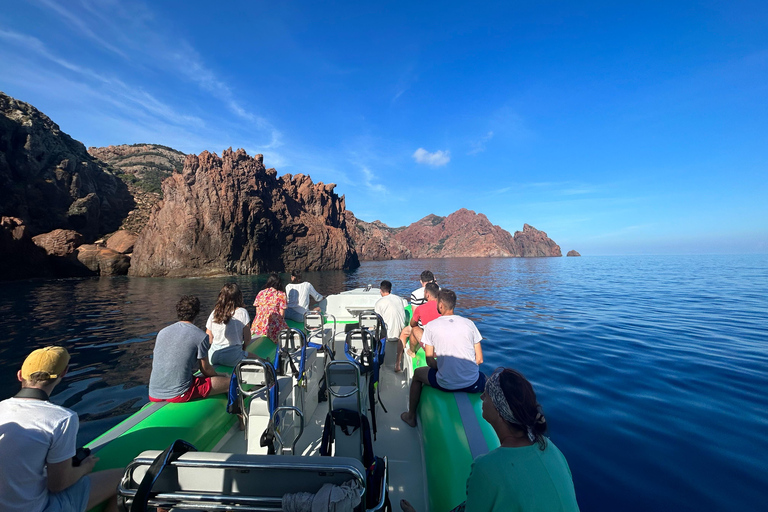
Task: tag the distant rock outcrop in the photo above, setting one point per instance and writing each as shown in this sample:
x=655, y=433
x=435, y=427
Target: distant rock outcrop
x=143, y=167
x=463, y=233
x=573, y=253
x=229, y=214
x=49, y=181
x=375, y=241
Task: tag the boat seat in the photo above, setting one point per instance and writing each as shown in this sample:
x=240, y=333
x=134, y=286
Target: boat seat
x=254, y=379
x=225, y=481
x=346, y=391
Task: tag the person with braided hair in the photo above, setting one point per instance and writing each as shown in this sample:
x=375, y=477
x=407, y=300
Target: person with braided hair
x=527, y=472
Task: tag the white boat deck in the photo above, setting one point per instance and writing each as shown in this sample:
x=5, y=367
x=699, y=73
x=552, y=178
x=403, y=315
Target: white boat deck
x=397, y=441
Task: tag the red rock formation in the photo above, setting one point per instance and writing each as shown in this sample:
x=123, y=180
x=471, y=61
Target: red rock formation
x=573, y=253
x=103, y=261
x=534, y=243
x=231, y=215
x=375, y=241
x=463, y=233
x=59, y=242
x=122, y=241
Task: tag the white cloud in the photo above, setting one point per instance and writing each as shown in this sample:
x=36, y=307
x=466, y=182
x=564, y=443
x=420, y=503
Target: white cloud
x=436, y=159
x=478, y=146
x=369, y=181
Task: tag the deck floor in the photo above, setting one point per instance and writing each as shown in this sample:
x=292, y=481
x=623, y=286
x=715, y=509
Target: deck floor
x=397, y=441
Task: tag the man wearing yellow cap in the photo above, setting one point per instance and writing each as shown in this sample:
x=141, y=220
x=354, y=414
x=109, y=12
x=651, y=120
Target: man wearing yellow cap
x=38, y=440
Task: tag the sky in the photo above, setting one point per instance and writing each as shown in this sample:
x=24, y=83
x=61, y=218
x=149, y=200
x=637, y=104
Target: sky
x=615, y=127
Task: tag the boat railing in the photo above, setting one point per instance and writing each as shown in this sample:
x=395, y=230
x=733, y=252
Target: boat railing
x=221, y=481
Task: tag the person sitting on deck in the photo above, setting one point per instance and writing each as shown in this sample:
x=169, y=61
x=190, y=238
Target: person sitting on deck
x=180, y=349
x=391, y=309
x=299, y=292
x=228, y=327
x=422, y=315
x=527, y=472
x=453, y=352
x=418, y=298
x=38, y=440
x=270, y=304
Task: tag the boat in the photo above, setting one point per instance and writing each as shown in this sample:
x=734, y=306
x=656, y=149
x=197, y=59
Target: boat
x=309, y=394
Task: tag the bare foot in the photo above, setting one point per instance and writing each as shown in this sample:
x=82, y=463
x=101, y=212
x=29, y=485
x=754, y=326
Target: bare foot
x=397, y=368
x=405, y=506
x=406, y=418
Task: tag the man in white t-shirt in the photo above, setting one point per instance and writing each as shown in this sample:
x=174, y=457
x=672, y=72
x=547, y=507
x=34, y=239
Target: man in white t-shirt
x=38, y=440
x=391, y=308
x=452, y=348
x=299, y=293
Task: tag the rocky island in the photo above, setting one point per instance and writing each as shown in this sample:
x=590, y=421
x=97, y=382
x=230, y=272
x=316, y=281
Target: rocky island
x=149, y=210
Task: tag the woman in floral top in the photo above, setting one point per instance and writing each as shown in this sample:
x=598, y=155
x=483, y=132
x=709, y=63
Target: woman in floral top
x=270, y=309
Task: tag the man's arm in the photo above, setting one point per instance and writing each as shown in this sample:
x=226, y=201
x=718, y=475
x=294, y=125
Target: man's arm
x=415, y=318
x=62, y=475
x=206, y=369
x=478, y=354
x=429, y=353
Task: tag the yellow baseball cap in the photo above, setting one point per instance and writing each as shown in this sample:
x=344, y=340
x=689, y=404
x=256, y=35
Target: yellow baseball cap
x=51, y=360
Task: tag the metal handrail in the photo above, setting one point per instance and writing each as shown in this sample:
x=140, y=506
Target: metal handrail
x=279, y=438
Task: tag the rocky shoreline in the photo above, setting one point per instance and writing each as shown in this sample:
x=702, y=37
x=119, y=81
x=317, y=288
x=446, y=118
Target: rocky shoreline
x=149, y=210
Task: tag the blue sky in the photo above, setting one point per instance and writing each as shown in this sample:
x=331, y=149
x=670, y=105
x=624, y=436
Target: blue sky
x=615, y=128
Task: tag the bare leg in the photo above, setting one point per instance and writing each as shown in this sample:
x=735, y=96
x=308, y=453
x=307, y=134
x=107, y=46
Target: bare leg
x=219, y=385
x=401, y=347
x=420, y=378
x=416, y=335
x=103, y=488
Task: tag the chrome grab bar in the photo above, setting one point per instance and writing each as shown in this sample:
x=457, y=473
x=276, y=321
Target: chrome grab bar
x=279, y=438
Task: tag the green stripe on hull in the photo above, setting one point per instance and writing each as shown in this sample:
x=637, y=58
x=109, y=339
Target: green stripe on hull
x=202, y=423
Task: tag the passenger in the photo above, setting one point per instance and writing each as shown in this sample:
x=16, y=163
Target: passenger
x=455, y=341
x=38, y=440
x=180, y=349
x=422, y=315
x=527, y=472
x=270, y=309
x=417, y=299
x=228, y=327
x=299, y=292
x=391, y=308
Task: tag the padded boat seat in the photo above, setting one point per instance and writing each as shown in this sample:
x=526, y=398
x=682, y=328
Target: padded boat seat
x=223, y=481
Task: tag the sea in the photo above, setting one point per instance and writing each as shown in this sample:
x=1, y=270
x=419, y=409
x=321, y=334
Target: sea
x=652, y=371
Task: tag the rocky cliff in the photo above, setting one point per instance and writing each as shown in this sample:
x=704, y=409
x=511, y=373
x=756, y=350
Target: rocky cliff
x=229, y=214
x=143, y=167
x=463, y=233
x=49, y=181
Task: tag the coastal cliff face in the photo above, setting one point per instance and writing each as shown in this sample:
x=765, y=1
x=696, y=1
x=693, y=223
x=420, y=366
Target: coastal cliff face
x=143, y=167
x=375, y=241
x=229, y=214
x=49, y=181
x=463, y=233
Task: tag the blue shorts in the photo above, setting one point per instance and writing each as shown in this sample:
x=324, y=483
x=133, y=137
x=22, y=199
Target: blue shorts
x=72, y=499
x=477, y=387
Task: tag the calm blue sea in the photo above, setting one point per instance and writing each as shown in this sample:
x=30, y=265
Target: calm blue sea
x=652, y=370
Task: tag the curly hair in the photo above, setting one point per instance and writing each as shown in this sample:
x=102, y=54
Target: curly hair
x=187, y=308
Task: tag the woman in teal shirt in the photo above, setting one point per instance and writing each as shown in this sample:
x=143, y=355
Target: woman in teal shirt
x=527, y=473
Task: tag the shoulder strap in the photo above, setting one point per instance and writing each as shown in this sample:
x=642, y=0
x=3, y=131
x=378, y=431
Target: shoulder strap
x=34, y=393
